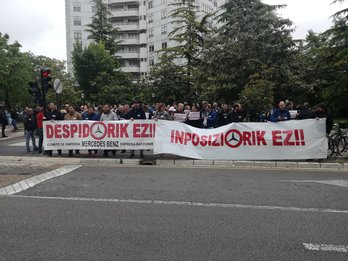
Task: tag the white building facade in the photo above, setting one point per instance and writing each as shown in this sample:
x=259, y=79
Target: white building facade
x=143, y=25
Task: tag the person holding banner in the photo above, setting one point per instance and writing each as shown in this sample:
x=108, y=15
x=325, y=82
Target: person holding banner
x=281, y=114
x=238, y=114
x=209, y=117
x=180, y=114
x=72, y=115
x=225, y=116
x=137, y=113
x=161, y=113
x=108, y=115
x=90, y=115
x=52, y=114
x=194, y=117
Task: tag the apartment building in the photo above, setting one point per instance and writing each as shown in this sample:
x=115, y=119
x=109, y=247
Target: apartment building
x=143, y=25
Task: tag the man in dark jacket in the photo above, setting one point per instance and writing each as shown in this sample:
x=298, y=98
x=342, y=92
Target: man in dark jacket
x=238, y=114
x=281, y=114
x=225, y=116
x=3, y=121
x=29, y=121
x=322, y=112
x=305, y=112
x=52, y=114
x=137, y=113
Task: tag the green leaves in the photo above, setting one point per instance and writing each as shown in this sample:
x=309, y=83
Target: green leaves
x=15, y=73
x=98, y=75
x=101, y=29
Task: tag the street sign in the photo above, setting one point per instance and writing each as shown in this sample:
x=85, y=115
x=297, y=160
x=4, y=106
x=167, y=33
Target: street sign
x=57, y=85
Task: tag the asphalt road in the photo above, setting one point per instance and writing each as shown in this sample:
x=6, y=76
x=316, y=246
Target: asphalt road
x=152, y=213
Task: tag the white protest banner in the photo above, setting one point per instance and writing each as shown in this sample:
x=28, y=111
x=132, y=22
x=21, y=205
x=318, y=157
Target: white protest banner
x=137, y=134
x=181, y=117
x=305, y=139
x=193, y=116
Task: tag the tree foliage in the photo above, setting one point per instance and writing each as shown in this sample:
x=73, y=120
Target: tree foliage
x=99, y=75
x=167, y=82
x=253, y=38
x=189, y=35
x=101, y=28
x=326, y=55
x=15, y=73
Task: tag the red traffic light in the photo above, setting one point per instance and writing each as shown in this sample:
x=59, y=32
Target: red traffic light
x=45, y=72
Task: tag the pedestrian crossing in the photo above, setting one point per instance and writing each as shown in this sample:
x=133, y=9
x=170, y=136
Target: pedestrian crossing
x=22, y=143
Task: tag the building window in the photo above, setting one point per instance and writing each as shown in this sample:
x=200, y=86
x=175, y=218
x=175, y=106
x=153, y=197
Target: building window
x=151, y=48
x=133, y=49
x=150, y=18
x=151, y=62
x=133, y=35
x=164, y=14
x=151, y=32
x=163, y=29
x=77, y=7
x=132, y=7
x=77, y=20
x=150, y=4
x=164, y=45
x=77, y=35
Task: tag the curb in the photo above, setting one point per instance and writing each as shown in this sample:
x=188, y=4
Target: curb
x=181, y=163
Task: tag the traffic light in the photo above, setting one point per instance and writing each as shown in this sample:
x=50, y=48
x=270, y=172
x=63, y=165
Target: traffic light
x=34, y=91
x=45, y=79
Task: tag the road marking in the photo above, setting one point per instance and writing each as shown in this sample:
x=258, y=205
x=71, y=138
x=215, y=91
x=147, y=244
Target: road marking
x=187, y=203
x=323, y=247
x=335, y=182
x=20, y=144
x=30, y=182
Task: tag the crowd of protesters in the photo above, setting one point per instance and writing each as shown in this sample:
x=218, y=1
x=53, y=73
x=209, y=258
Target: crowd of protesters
x=205, y=115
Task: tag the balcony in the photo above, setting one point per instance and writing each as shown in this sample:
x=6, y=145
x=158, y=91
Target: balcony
x=111, y=2
x=125, y=12
x=126, y=26
x=131, y=69
x=129, y=55
x=129, y=41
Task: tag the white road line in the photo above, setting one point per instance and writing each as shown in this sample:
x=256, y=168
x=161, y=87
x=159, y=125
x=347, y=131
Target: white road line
x=335, y=182
x=323, y=247
x=30, y=182
x=187, y=203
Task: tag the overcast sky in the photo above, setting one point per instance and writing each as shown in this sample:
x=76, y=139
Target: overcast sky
x=39, y=25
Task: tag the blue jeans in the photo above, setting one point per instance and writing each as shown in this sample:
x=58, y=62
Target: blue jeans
x=40, y=130
x=14, y=124
x=30, y=134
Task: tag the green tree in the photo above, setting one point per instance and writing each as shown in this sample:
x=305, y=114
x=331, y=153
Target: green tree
x=326, y=57
x=166, y=81
x=15, y=73
x=189, y=34
x=98, y=74
x=252, y=39
x=101, y=28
